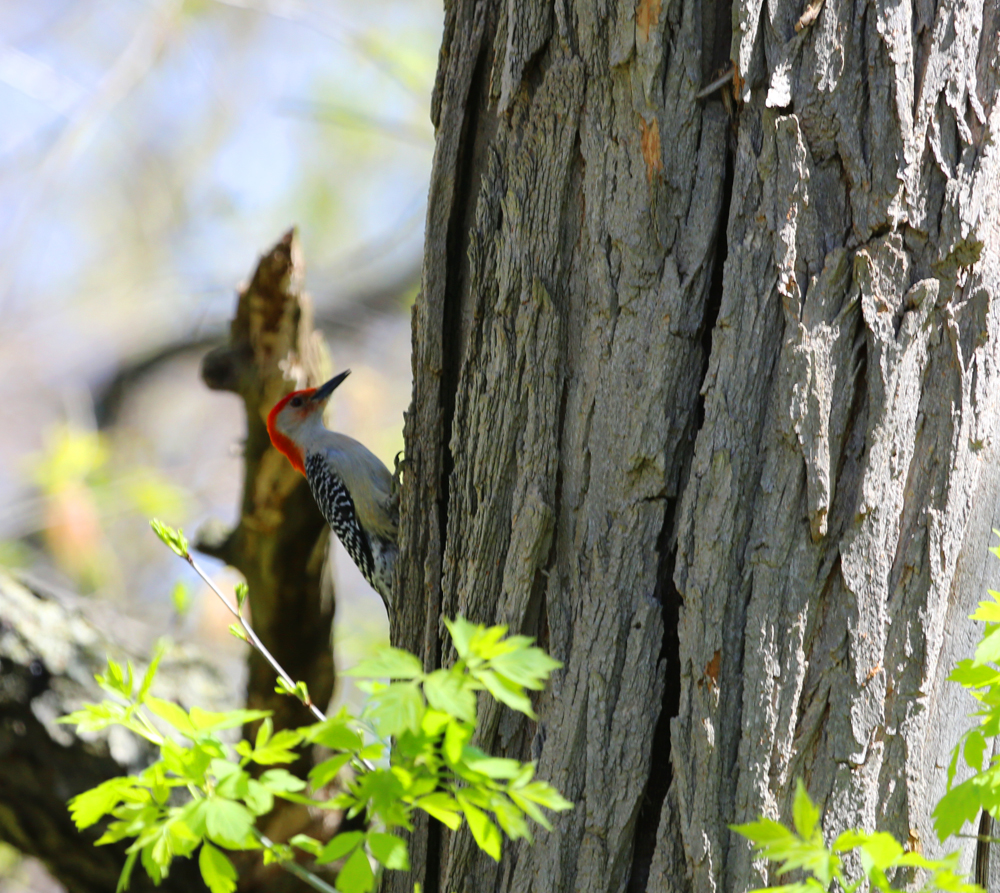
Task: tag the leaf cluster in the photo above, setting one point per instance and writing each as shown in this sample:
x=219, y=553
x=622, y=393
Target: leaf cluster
x=963, y=802
x=980, y=676
x=880, y=854
x=199, y=793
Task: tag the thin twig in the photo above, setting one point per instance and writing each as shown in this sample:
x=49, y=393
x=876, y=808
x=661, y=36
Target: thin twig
x=254, y=640
x=982, y=838
x=293, y=867
x=252, y=636
x=717, y=84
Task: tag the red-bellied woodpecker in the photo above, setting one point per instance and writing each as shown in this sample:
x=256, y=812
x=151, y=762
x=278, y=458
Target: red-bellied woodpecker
x=353, y=489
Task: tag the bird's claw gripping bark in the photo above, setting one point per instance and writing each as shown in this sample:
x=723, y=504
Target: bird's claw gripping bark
x=396, y=475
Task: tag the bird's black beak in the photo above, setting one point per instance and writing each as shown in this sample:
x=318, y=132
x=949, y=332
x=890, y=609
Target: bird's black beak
x=324, y=391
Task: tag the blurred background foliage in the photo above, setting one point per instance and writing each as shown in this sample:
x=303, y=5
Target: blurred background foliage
x=151, y=149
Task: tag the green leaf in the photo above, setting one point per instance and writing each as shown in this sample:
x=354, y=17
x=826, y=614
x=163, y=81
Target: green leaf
x=334, y=733
x=193, y=816
x=259, y=799
x=150, y=863
x=952, y=766
x=484, y=832
x=397, y=707
x=959, y=805
x=493, y=767
x=975, y=746
x=356, y=875
x=510, y=818
x=173, y=714
x=526, y=773
x=307, y=843
x=264, y=732
x=173, y=538
x=180, y=598
x=442, y=807
x=389, y=850
x=486, y=642
x=447, y=691
x=393, y=663
x=504, y=692
x=323, y=773
x=434, y=722
x=527, y=666
x=216, y=869
x=236, y=630
x=988, y=649
x=764, y=831
x=533, y=811
x=208, y=721
x=542, y=793
x=456, y=736
x=882, y=849
x=116, y=681
x=462, y=633
x=969, y=674
x=278, y=748
x=228, y=823
x=126, y=876
x=95, y=717
x=340, y=846
x=988, y=612
x=281, y=781
x=150, y=674
x=242, y=592
x=231, y=781
x=805, y=815
x=848, y=840
x=91, y=806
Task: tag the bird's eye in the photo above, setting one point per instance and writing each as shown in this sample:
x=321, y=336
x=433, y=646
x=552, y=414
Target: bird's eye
x=296, y=402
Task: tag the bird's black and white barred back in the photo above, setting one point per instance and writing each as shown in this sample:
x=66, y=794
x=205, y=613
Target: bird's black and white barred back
x=334, y=499
x=354, y=490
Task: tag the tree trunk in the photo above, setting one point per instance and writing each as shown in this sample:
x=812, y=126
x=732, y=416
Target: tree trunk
x=703, y=400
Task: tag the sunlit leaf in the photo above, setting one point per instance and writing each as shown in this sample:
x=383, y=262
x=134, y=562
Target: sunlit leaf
x=228, y=823
x=340, y=846
x=462, y=633
x=91, y=806
x=356, y=876
x=216, y=869
x=484, y=832
x=446, y=691
x=281, y=781
x=805, y=815
x=443, y=807
x=397, y=707
x=389, y=850
x=393, y=663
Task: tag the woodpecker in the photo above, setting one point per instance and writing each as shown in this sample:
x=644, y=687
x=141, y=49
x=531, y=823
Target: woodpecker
x=352, y=487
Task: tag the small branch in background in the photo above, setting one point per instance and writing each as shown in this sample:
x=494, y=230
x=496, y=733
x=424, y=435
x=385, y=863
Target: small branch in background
x=349, y=315
x=342, y=116
x=280, y=542
x=717, y=84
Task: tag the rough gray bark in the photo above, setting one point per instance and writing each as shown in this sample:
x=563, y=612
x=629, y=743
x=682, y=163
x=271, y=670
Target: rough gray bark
x=703, y=400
